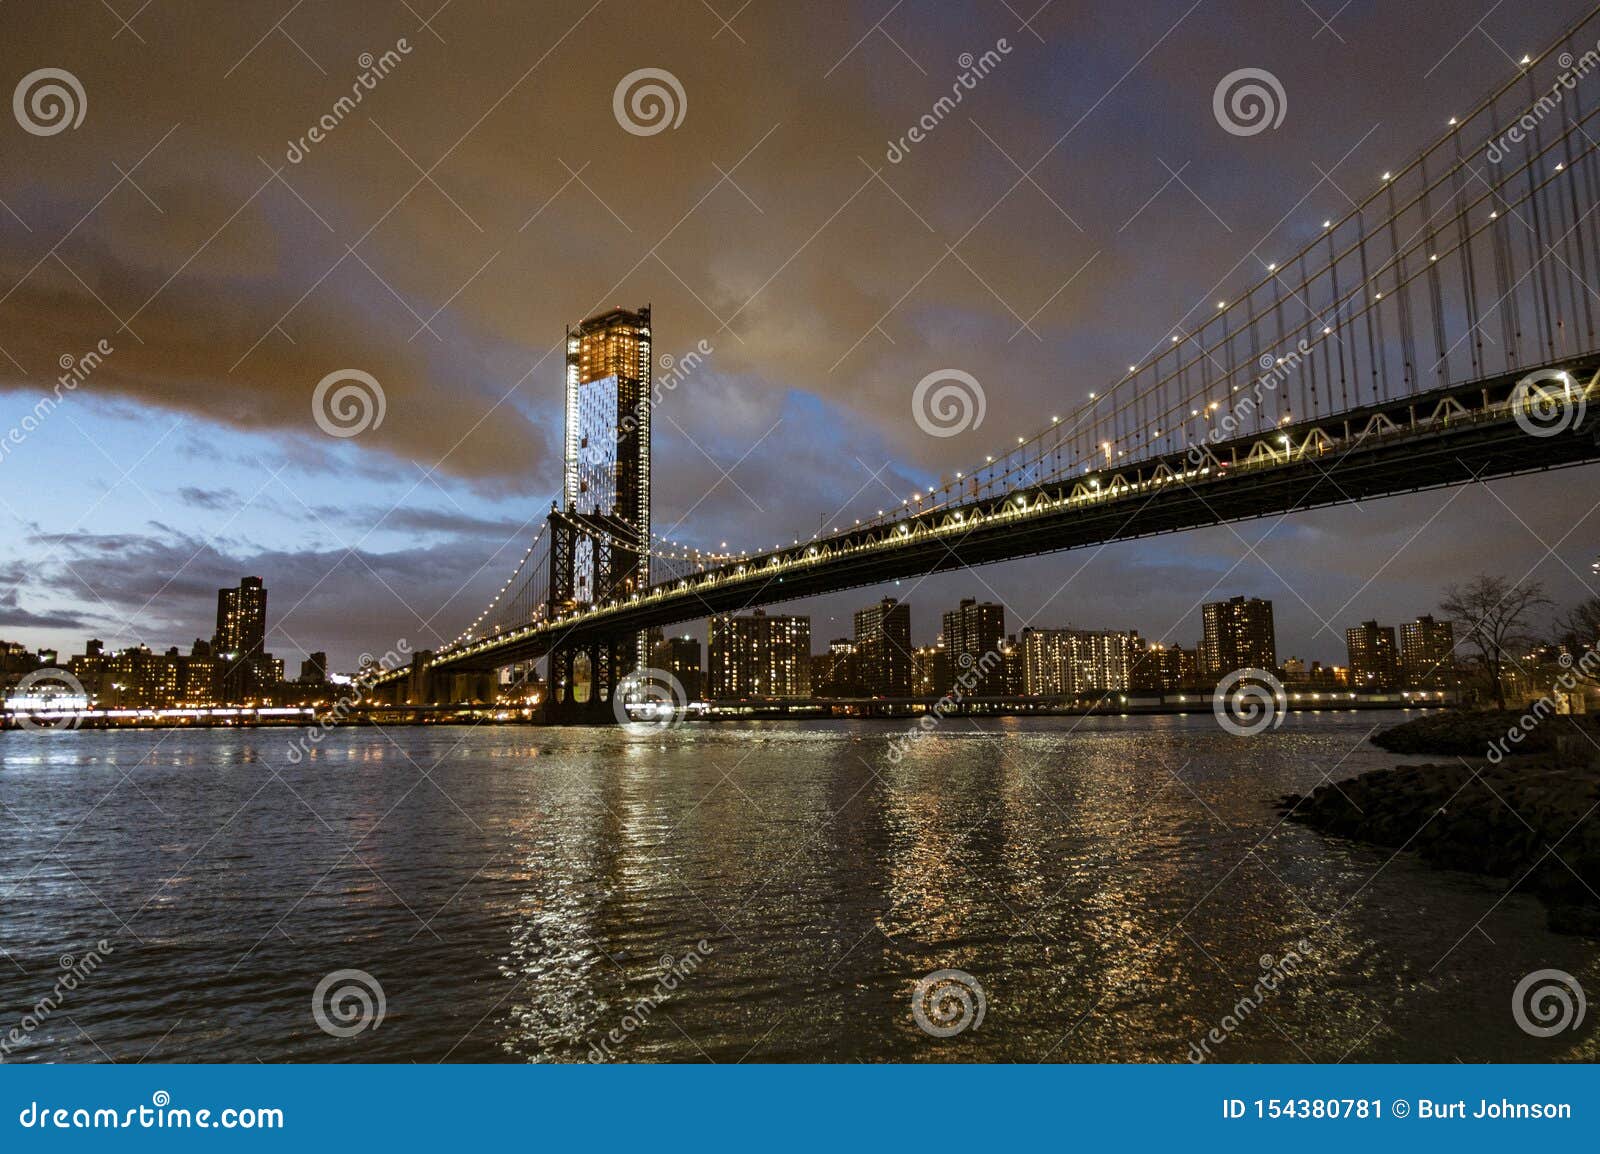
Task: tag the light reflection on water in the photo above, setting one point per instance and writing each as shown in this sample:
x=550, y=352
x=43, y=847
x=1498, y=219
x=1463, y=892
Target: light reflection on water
x=1113, y=884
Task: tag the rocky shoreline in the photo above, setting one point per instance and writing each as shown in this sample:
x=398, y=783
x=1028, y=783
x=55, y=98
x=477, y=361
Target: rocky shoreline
x=1533, y=819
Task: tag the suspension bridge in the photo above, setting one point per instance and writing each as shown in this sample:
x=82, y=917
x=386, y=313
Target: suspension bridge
x=1441, y=332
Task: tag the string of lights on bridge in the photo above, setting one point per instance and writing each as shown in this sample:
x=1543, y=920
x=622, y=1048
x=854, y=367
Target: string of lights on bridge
x=1305, y=337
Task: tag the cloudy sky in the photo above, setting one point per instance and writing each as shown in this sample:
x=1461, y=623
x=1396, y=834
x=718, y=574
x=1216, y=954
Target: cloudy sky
x=1081, y=203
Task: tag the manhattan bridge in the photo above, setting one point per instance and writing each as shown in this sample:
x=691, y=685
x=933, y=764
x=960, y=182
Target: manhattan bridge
x=1441, y=332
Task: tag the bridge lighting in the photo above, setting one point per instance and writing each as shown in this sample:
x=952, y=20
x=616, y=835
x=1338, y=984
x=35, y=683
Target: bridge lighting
x=1327, y=224
x=1131, y=369
x=990, y=460
x=1433, y=256
x=1494, y=216
x=1175, y=338
x=1390, y=175
x=1452, y=121
x=1560, y=166
x=958, y=476
x=1327, y=331
x=1273, y=267
x=1526, y=60
x=1092, y=396
x=1377, y=296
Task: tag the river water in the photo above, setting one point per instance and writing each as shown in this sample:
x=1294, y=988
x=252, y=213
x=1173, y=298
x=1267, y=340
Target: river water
x=1111, y=887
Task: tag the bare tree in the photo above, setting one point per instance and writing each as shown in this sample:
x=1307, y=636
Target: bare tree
x=1493, y=615
x=1580, y=632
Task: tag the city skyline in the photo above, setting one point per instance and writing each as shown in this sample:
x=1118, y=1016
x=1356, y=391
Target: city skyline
x=1423, y=637
x=865, y=533
x=161, y=493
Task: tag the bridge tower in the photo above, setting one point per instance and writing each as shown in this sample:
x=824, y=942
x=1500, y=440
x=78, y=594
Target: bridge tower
x=600, y=533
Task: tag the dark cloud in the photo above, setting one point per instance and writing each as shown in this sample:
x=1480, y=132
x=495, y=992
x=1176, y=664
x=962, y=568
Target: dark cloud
x=13, y=616
x=483, y=196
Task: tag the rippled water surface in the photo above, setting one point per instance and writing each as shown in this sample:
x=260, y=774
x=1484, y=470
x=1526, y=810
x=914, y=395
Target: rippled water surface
x=1111, y=884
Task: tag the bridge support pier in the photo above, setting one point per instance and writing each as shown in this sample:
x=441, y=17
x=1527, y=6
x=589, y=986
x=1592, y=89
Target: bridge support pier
x=583, y=679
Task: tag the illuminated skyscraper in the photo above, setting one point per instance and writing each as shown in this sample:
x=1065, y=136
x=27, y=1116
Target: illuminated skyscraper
x=883, y=648
x=1374, y=657
x=1238, y=635
x=240, y=641
x=1061, y=662
x=1428, y=654
x=759, y=656
x=974, y=633
x=607, y=447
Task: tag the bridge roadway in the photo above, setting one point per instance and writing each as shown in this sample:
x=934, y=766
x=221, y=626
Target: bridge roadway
x=1432, y=439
